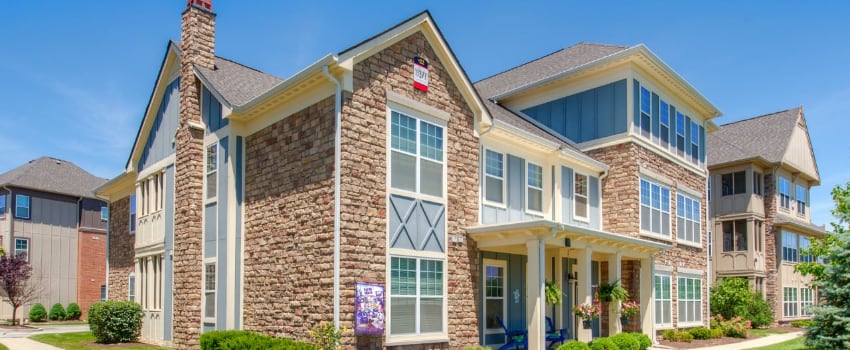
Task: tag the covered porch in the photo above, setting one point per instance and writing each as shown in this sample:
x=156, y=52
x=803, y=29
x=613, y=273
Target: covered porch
x=517, y=260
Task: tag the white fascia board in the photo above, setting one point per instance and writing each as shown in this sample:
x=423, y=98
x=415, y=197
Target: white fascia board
x=315, y=67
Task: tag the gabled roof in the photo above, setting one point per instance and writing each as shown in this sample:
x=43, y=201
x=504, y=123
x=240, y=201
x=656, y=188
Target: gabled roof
x=765, y=137
x=53, y=175
x=236, y=83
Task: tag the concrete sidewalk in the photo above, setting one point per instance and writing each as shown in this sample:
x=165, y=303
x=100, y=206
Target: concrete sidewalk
x=749, y=344
x=25, y=344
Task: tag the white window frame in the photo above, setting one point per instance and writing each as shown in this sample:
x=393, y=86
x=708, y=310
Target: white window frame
x=695, y=158
x=695, y=303
x=131, y=287
x=662, y=312
x=504, y=265
x=784, y=197
x=651, y=208
x=529, y=187
x=26, y=250
x=641, y=112
x=133, y=214
x=807, y=300
x=586, y=196
x=503, y=178
x=790, y=308
x=801, y=203
x=18, y=198
x=661, y=107
x=694, y=222
x=214, y=291
x=209, y=171
x=420, y=119
x=417, y=335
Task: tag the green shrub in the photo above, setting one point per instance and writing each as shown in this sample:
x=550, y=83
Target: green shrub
x=574, y=345
x=700, y=333
x=800, y=323
x=736, y=327
x=603, y=344
x=115, y=321
x=57, y=312
x=625, y=341
x=643, y=340
x=73, y=312
x=716, y=333
x=733, y=297
x=212, y=340
x=38, y=313
x=677, y=336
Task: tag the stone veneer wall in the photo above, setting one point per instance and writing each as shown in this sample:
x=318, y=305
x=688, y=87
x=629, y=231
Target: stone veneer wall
x=121, y=249
x=621, y=205
x=771, y=245
x=288, y=264
x=364, y=183
x=197, y=47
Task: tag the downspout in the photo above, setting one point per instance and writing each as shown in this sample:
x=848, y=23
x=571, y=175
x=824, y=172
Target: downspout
x=108, y=237
x=707, y=256
x=337, y=181
x=481, y=160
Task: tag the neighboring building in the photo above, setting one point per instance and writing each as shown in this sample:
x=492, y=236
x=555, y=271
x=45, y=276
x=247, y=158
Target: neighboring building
x=48, y=210
x=760, y=207
x=253, y=202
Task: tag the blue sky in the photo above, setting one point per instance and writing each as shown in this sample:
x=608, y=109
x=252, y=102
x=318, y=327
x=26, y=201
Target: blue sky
x=75, y=76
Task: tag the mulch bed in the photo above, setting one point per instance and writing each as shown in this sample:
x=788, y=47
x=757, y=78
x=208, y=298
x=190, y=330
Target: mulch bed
x=722, y=341
x=91, y=344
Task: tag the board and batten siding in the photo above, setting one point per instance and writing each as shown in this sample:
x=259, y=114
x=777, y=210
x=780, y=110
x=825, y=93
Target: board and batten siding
x=593, y=195
x=90, y=214
x=588, y=115
x=211, y=112
x=655, y=121
x=160, y=141
x=514, y=209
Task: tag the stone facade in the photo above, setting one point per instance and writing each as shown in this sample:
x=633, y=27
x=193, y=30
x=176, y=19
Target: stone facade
x=621, y=205
x=771, y=245
x=289, y=213
x=121, y=249
x=364, y=184
x=91, y=268
x=197, y=47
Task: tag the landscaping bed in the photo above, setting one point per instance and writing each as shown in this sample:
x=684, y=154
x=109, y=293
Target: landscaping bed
x=754, y=333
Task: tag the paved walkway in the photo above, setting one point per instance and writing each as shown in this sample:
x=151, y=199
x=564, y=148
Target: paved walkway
x=17, y=339
x=749, y=344
x=26, y=344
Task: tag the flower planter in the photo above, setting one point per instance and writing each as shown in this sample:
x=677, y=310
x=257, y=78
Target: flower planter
x=624, y=321
x=586, y=324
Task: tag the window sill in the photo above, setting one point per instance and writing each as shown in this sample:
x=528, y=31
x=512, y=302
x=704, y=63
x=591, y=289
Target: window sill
x=691, y=324
x=663, y=326
x=656, y=236
x=496, y=205
x=690, y=244
x=416, y=339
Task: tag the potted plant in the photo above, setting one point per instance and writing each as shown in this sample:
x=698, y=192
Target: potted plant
x=553, y=293
x=628, y=309
x=612, y=291
x=587, y=312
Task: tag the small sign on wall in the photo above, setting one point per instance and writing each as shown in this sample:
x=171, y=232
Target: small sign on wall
x=420, y=73
x=369, y=309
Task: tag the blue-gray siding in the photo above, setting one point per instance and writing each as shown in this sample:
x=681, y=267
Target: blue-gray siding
x=516, y=284
x=211, y=112
x=588, y=115
x=515, y=197
x=238, y=252
x=655, y=123
x=221, y=278
x=417, y=224
x=567, y=192
x=168, y=269
x=159, y=144
x=210, y=211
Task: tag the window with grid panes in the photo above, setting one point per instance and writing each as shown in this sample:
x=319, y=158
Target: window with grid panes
x=690, y=299
x=663, y=300
x=654, y=208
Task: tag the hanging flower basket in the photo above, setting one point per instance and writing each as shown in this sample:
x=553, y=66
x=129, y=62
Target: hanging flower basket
x=586, y=324
x=624, y=321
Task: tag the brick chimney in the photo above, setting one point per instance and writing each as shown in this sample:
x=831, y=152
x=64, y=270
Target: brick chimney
x=197, y=48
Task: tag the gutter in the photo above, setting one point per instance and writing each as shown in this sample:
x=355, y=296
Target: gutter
x=320, y=65
x=337, y=184
x=481, y=160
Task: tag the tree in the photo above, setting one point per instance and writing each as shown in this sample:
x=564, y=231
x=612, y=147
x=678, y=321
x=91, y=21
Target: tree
x=831, y=326
x=15, y=272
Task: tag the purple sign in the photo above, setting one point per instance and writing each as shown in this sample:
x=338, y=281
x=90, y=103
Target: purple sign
x=369, y=309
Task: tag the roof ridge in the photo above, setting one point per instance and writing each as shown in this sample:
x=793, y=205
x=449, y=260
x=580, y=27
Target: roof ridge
x=600, y=44
x=760, y=116
x=524, y=64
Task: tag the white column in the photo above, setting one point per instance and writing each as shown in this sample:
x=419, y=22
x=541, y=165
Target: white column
x=647, y=297
x=558, y=317
x=536, y=301
x=584, y=294
x=615, y=274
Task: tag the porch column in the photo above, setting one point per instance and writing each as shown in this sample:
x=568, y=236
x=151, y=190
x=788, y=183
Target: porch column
x=647, y=297
x=558, y=317
x=585, y=293
x=536, y=305
x=614, y=274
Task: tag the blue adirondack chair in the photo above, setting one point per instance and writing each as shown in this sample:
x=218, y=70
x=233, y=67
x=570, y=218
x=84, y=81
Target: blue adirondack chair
x=554, y=336
x=513, y=339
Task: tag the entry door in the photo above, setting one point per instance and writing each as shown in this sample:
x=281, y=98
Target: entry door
x=594, y=280
x=569, y=288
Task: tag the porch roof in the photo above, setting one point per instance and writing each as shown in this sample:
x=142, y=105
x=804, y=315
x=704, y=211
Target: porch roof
x=517, y=233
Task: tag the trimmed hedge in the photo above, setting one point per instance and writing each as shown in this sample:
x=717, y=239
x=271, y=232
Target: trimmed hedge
x=574, y=345
x=212, y=340
x=115, y=321
x=625, y=341
x=57, y=312
x=677, y=336
x=700, y=333
x=603, y=344
x=643, y=340
x=803, y=323
x=73, y=312
x=38, y=313
x=239, y=340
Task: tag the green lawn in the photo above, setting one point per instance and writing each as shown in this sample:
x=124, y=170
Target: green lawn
x=3, y=347
x=766, y=332
x=78, y=340
x=793, y=344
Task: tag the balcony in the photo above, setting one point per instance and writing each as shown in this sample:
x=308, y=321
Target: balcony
x=150, y=231
x=745, y=261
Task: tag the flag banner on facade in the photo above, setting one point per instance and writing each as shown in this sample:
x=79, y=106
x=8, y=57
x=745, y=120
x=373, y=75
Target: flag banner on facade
x=420, y=73
x=369, y=309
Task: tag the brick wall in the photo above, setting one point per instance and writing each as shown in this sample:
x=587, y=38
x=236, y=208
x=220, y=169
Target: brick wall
x=621, y=206
x=289, y=223
x=91, y=268
x=364, y=182
x=121, y=249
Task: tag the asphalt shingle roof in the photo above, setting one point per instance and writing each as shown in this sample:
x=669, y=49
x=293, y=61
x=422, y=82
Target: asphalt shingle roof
x=53, y=175
x=765, y=136
x=237, y=83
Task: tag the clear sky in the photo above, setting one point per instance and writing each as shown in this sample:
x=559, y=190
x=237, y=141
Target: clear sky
x=75, y=76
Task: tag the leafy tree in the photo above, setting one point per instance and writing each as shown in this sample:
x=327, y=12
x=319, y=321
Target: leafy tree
x=733, y=297
x=15, y=272
x=831, y=327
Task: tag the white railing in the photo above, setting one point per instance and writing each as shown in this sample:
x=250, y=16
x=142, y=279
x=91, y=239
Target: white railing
x=150, y=229
x=152, y=326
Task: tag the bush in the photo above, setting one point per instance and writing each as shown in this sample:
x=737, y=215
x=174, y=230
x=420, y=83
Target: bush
x=732, y=297
x=57, y=312
x=38, y=313
x=73, y=312
x=574, y=345
x=677, y=336
x=233, y=340
x=700, y=333
x=736, y=327
x=800, y=323
x=603, y=344
x=115, y=321
x=626, y=341
x=716, y=333
x=643, y=340
x=212, y=340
